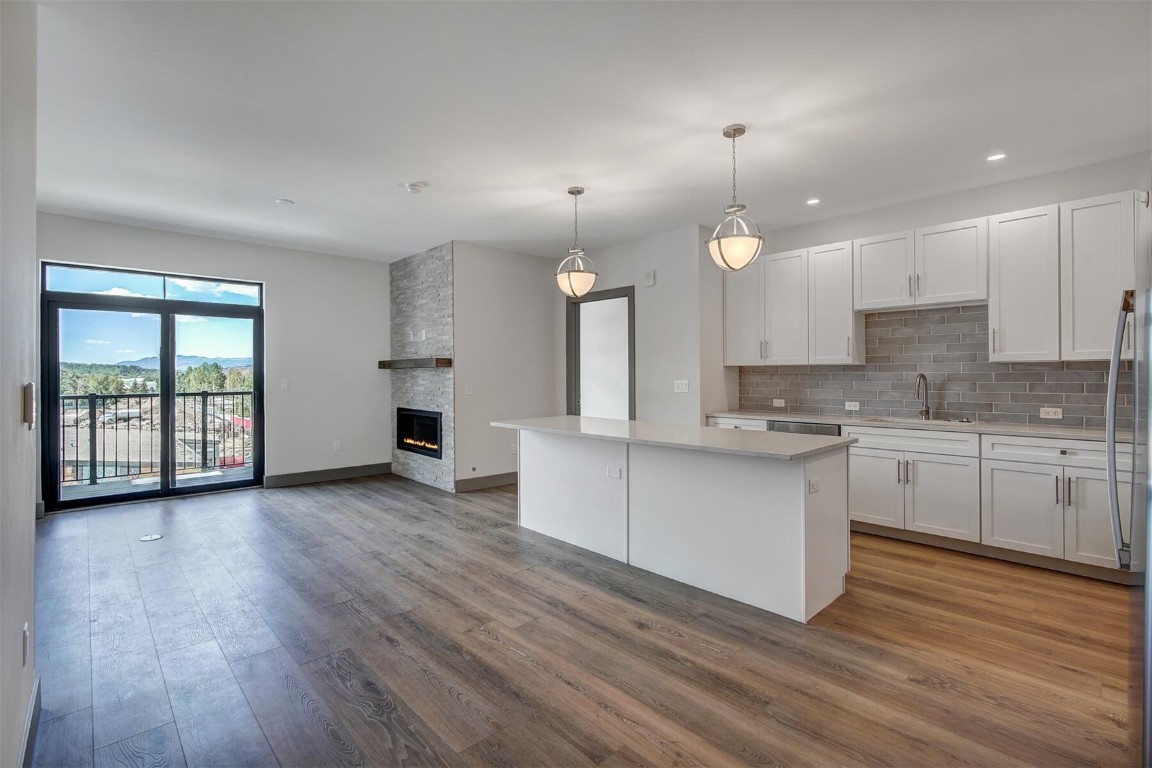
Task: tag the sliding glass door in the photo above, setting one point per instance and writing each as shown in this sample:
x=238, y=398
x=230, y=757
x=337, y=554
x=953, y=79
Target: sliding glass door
x=152, y=385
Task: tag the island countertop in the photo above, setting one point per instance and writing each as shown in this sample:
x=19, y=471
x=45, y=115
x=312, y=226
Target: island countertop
x=769, y=445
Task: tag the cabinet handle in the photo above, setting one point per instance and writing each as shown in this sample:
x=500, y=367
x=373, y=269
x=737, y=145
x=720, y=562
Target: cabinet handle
x=993, y=340
x=908, y=472
x=1057, y=491
x=917, y=283
x=1068, y=492
x=909, y=286
x=898, y=478
x=848, y=351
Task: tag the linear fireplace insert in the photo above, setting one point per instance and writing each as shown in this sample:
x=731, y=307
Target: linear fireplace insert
x=419, y=432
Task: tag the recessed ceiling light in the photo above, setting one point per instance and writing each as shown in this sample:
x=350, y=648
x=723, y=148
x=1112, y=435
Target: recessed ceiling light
x=997, y=156
x=284, y=201
x=814, y=201
x=415, y=187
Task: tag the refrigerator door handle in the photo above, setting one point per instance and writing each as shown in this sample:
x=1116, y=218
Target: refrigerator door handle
x=1123, y=550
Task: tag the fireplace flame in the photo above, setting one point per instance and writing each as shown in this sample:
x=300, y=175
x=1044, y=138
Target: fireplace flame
x=421, y=444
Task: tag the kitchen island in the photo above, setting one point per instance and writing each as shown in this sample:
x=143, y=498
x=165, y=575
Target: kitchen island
x=760, y=517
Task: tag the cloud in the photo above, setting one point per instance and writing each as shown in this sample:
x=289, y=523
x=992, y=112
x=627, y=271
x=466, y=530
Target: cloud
x=125, y=351
x=96, y=341
x=191, y=319
x=124, y=292
x=216, y=289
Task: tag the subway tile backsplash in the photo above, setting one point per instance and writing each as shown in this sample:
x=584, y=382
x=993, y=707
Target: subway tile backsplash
x=949, y=345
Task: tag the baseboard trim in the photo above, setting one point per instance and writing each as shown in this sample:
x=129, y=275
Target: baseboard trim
x=327, y=475
x=998, y=553
x=39, y=510
x=488, y=481
x=31, y=723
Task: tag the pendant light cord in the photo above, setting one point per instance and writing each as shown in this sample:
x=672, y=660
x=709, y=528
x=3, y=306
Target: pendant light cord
x=733, y=170
x=575, y=221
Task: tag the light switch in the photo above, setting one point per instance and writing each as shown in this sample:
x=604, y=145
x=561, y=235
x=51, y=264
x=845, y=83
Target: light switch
x=285, y=384
x=680, y=385
x=467, y=389
x=650, y=278
x=615, y=472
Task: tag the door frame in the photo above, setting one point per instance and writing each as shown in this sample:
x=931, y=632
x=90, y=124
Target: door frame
x=572, y=344
x=53, y=301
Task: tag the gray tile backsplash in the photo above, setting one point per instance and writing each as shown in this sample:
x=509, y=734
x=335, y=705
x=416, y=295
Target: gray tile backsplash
x=949, y=345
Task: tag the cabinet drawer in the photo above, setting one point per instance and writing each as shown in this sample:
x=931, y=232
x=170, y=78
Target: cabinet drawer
x=1089, y=454
x=757, y=425
x=916, y=440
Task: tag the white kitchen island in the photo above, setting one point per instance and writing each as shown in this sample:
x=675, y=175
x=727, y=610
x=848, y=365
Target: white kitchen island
x=760, y=517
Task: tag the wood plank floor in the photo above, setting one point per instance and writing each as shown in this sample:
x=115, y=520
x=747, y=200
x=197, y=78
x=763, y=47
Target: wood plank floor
x=382, y=622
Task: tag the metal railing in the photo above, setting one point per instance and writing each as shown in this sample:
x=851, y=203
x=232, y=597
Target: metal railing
x=104, y=437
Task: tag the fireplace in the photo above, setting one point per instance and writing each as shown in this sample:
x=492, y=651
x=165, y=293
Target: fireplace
x=419, y=432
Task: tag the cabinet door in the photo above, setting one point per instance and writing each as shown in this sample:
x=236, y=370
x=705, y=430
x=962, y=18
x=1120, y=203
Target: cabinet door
x=952, y=263
x=786, y=308
x=1087, y=519
x=743, y=316
x=1097, y=264
x=942, y=495
x=1024, y=285
x=882, y=269
x=1022, y=507
x=835, y=331
x=876, y=486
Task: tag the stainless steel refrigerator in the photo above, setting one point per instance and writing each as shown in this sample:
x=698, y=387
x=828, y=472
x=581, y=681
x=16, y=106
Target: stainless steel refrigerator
x=1130, y=526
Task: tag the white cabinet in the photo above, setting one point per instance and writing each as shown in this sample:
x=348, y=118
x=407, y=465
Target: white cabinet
x=936, y=493
x=1024, y=285
x=944, y=264
x=744, y=316
x=786, y=308
x=1021, y=507
x=1097, y=263
x=730, y=422
x=1087, y=521
x=952, y=263
x=882, y=271
x=835, y=331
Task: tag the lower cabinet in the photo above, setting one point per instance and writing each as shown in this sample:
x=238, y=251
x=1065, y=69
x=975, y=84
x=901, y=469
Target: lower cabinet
x=929, y=493
x=1052, y=510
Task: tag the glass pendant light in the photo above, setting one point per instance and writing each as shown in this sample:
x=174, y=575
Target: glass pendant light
x=576, y=274
x=736, y=242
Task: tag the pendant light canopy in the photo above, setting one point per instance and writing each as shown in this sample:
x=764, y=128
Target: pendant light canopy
x=576, y=274
x=736, y=242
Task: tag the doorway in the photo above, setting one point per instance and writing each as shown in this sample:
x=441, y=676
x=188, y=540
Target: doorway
x=153, y=385
x=601, y=354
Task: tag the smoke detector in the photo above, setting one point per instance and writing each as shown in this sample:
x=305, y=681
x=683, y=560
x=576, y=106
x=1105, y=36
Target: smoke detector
x=415, y=187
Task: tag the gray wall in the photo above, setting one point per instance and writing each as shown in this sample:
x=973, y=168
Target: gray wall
x=950, y=346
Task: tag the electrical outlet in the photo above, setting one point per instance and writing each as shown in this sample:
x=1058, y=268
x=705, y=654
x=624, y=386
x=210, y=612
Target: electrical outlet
x=680, y=385
x=285, y=384
x=336, y=445
x=851, y=405
x=777, y=402
x=814, y=485
x=615, y=472
x=1051, y=413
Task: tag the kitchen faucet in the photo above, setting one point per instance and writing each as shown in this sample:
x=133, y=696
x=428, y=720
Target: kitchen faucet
x=925, y=411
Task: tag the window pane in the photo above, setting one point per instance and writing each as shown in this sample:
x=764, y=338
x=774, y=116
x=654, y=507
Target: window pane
x=212, y=291
x=105, y=282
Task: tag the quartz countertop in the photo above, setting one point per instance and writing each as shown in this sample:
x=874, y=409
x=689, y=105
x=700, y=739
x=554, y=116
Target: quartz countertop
x=768, y=445
x=978, y=427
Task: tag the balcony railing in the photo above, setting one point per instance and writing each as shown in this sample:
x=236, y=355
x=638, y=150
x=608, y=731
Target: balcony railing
x=105, y=437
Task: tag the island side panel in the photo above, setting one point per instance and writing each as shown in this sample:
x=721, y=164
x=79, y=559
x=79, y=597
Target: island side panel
x=730, y=524
x=566, y=491
x=825, y=529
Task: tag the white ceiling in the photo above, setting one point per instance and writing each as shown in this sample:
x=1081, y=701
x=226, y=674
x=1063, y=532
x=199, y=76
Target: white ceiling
x=195, y=116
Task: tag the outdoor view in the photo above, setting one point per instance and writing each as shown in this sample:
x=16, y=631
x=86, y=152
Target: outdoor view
x=110, y=396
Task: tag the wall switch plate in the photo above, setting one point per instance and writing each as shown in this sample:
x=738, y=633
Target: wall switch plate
x=285, y=384
x=336, y=445
x=515, y=448
x=680, y=385
x=1051, y=413
x=467, y=390
x=650, y=278
x=814, y=485
x=851, y=405
x=615, y=472
x=777, y=402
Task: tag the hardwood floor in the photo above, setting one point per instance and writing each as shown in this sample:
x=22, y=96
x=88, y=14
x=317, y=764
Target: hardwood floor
x=381, y=622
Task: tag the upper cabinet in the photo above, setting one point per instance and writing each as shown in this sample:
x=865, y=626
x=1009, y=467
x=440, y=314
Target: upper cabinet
x=1097, y=264
x=945, y=264
x=1024, y=285
x=786, y=308
x=744, y=316
x=835, y=332
x=882, y=271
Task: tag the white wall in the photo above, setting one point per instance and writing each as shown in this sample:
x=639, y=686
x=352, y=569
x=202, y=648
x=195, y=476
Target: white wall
x=679, y=324
x=326, y=325
x=504, y=348
x=1073, y=184
x=18, y=355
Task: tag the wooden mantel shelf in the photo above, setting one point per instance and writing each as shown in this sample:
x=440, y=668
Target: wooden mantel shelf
x=417, y=362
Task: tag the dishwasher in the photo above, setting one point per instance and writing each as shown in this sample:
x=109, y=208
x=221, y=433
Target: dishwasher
x=804, y=427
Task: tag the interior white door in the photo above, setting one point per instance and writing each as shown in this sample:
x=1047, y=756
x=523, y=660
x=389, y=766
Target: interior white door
x=1024, y=285
x=786, y=307
x=1022, y=507
x=952, y=262
x=1087, y=518
x=876, y=486
x=834, y=329
x=604, y=371
x=744, y=316
x=883, y=271
x=942, y=495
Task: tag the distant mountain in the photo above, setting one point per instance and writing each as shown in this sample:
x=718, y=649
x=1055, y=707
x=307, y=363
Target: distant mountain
x=184, y=362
